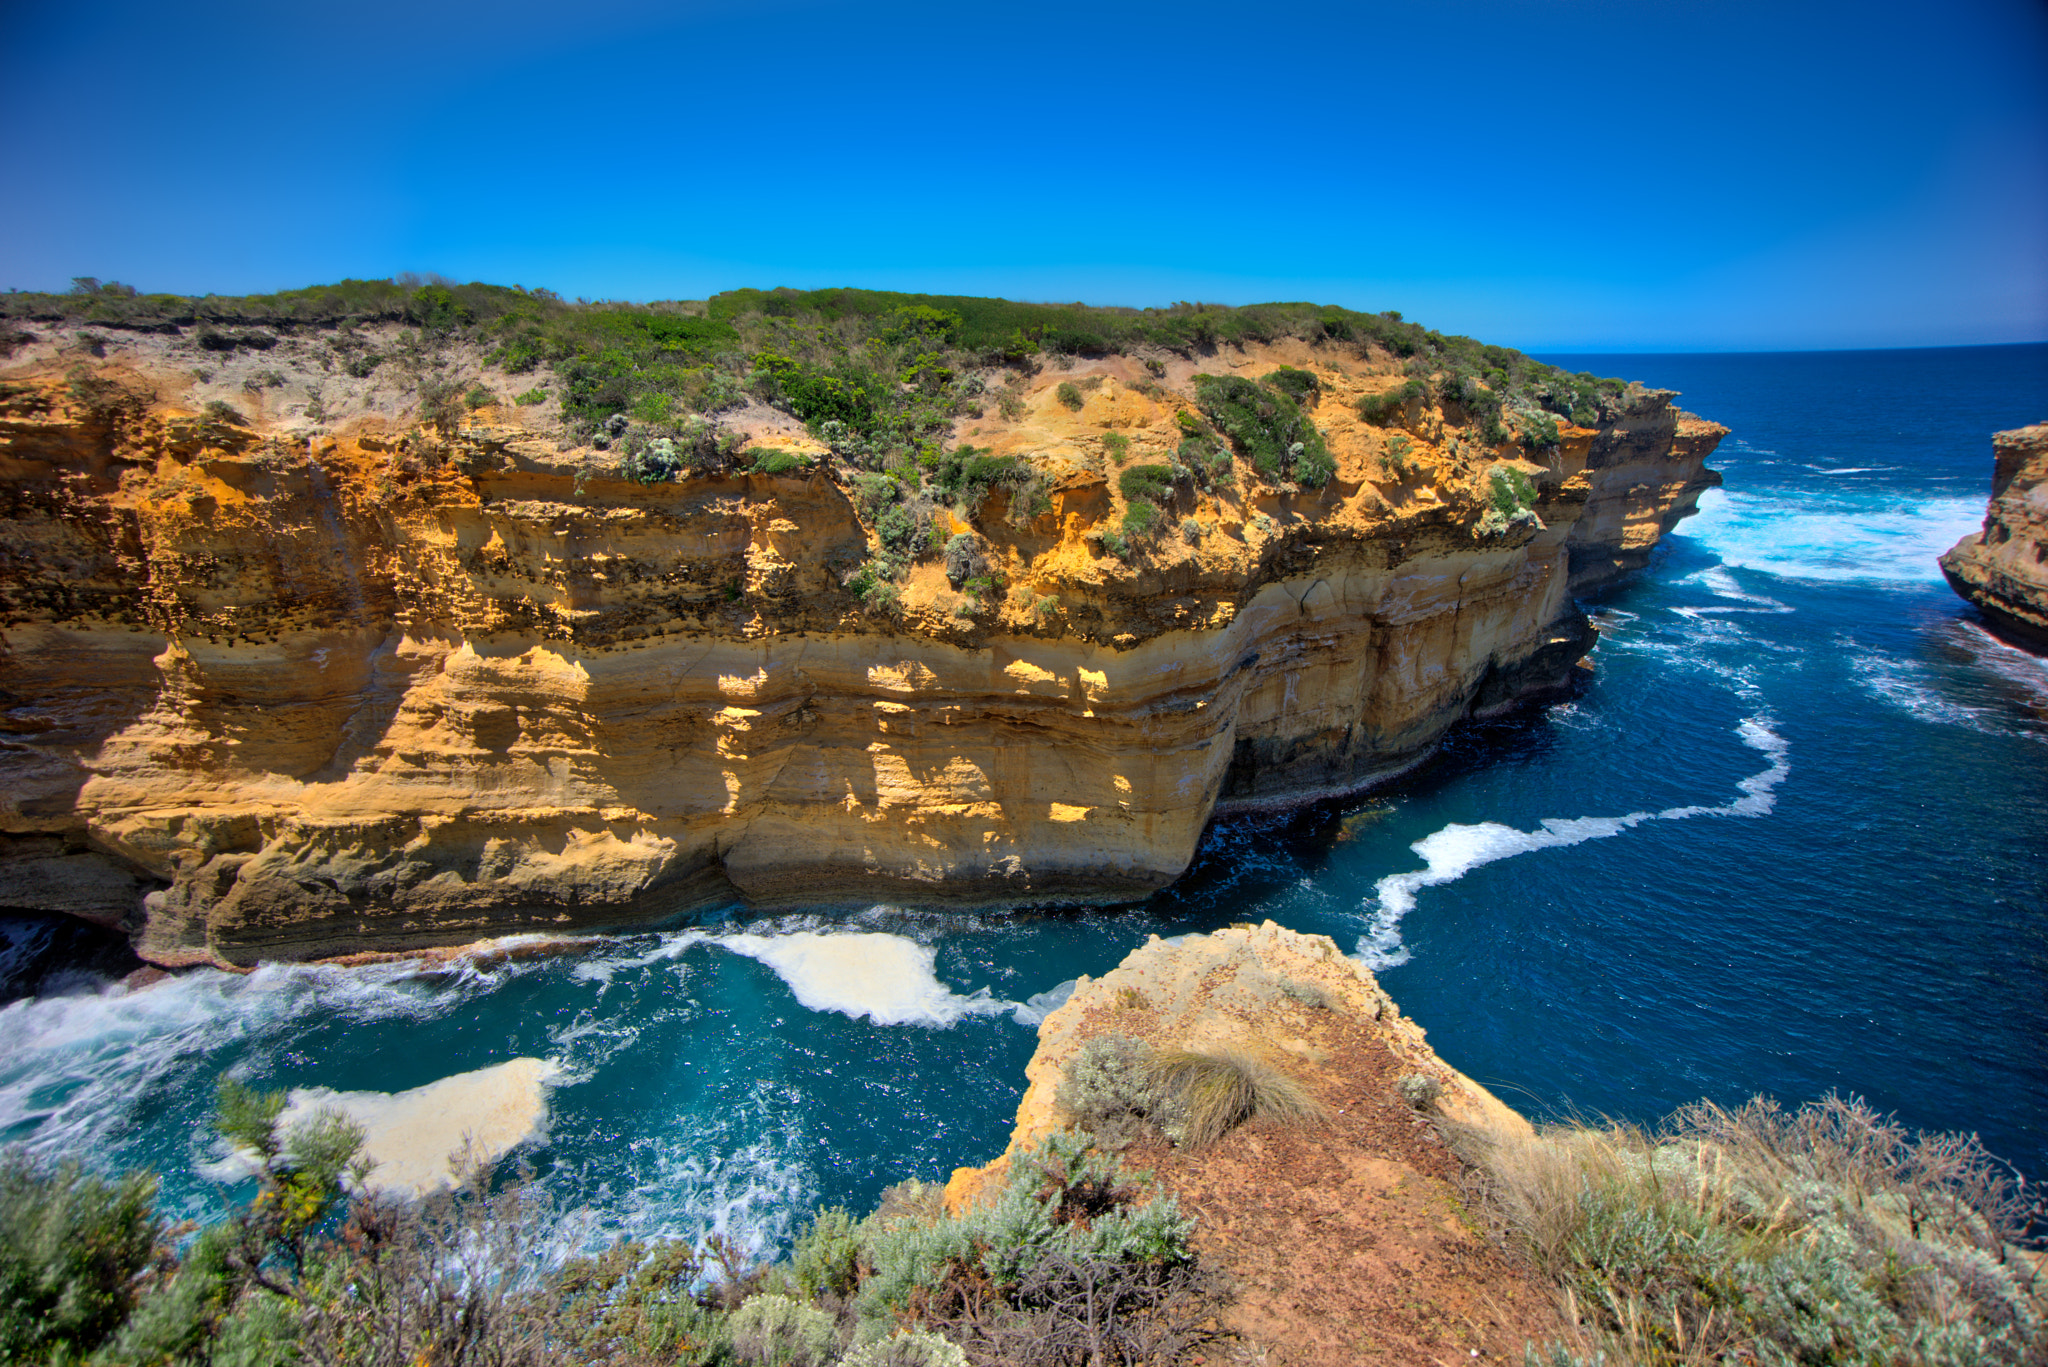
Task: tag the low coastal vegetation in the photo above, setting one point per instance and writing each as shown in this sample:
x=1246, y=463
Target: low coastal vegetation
x=1077, y=1260
x=1824, y=1236
x=885, y=383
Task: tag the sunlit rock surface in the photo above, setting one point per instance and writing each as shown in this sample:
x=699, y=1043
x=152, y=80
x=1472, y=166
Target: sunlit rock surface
x=273, y=695
x=2004, y=568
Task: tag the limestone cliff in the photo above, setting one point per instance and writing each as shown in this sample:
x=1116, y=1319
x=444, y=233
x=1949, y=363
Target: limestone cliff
x=2004, y=568
x=283, y=688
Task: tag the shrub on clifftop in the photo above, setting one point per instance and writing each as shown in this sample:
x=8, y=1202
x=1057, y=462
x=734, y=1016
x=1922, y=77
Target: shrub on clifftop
x=1823, y=1235
x=1266, y=427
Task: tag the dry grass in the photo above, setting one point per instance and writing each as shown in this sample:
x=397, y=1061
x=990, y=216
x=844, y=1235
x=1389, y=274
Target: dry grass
x=1826, y=1234
x=1210, y=1093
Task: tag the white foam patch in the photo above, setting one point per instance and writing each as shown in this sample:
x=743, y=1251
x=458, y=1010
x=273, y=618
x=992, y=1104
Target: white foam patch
x=1718, y=581
x=889, y=979
x=1833, y=536
x=1033, y=1010
x=419, y=1140
x=1457, y=849
x=76, y=1067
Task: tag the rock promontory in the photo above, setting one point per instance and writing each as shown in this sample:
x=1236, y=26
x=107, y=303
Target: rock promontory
x=444, y=613
x=1346, y=1236
x=2004, y=568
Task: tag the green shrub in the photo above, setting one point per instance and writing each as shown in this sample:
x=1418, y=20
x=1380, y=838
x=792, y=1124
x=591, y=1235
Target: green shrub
x=221, y=411
x=1117, y=445
x=1109, y=1088
x=1140, y=520
x=773, y=460
x=1819, y=1236
x=1509, y=491
x=1302, y=386
x=1313, y=466
x=1069, y=394
x=71, y=1247
x=363, y=364
x=1062, y=1201
x=657, y=462
x=825, y=1257
x=774, y=1331
x=903, y=532
x=1399, y=458
x=1390, y=405
x=1205, y=1094
x=1115, y=542
x=849, y=394
x=1539, y=433
x=909, y=1348
x=1266, y=427
x=478, y=397
x=873, y=583
x=1147, y=484
x=441, y=404
x=531, y=397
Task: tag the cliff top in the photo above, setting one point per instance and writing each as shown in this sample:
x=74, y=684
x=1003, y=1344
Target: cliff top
x=972, y=464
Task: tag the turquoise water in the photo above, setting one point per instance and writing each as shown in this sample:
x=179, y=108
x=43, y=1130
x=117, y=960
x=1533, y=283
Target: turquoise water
x=1792, y=837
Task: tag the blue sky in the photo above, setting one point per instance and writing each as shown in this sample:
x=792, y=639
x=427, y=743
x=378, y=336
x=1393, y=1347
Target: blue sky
x=1546, y=173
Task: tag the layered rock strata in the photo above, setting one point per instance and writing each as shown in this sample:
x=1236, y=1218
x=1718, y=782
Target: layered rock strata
x=2004, y=568
x=277, y=693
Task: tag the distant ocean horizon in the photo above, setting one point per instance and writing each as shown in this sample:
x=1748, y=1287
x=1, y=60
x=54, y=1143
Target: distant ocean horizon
x=1788, y=840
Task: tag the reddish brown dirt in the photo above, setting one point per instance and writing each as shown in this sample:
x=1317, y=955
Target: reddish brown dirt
x=1348, y=1243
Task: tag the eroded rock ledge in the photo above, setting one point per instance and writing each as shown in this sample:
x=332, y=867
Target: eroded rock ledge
x=273, y=695
x=2004, y=568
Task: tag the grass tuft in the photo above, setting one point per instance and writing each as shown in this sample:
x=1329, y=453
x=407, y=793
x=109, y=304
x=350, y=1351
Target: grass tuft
x=1207, y=1094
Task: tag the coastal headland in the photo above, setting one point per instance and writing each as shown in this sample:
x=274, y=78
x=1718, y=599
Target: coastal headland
x=410, y=623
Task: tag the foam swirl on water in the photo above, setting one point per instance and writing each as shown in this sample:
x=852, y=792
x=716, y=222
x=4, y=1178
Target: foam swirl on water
x=1459, y=848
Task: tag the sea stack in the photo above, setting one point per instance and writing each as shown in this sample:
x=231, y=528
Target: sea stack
x=2004, y=568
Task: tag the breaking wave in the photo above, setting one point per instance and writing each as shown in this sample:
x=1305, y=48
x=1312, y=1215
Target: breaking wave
x=1833, y=536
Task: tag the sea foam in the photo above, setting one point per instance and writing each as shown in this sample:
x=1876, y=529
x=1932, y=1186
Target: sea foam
x=1832, y=536
x=1451, y=853
x=889, y=979
x=417, y=1141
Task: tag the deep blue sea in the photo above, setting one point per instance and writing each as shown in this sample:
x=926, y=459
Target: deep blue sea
x=1792, y=838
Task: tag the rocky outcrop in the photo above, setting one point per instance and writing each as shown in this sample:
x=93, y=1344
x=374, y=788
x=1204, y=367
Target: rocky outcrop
x=1264, y=988
x=1345, y=1238
x=2004, y=568
x=272, y=692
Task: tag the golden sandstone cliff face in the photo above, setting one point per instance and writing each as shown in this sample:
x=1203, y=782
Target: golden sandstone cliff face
x=2004, y=568
x=278, y=694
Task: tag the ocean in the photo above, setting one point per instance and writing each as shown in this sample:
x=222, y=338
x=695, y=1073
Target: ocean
x=1791, y=838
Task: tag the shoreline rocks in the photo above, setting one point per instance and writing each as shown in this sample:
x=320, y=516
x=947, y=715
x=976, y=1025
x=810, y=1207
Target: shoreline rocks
x=2003, y=569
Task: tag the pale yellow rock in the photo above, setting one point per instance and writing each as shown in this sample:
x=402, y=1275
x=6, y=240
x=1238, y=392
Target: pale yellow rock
x=1246, y=987
x=2003, y=569
x=288, y=699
